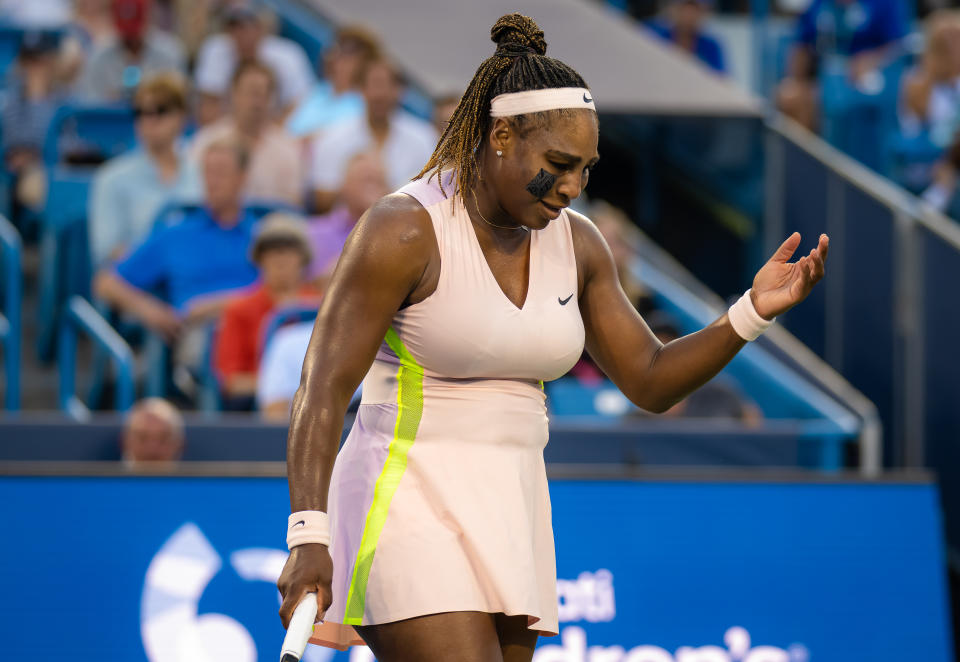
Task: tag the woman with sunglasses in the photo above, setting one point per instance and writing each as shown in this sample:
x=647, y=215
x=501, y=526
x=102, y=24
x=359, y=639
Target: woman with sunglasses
x=130, y=190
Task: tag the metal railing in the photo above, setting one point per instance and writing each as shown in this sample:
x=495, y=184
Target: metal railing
x=10, y=329
x=886, y=318
x=80, y=316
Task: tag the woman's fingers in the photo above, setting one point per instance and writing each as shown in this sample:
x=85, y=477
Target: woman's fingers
x=787, y=248
x=817, y=258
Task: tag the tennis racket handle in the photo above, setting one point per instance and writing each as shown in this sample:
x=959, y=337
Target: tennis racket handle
x=301, y=627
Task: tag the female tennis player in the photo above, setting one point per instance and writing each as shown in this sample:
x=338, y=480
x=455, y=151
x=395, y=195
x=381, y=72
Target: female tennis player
x=454, y=300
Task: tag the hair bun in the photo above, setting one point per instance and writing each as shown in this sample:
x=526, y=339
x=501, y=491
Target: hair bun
x=516, y=34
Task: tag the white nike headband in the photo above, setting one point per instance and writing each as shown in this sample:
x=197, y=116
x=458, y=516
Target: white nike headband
x=535, y=101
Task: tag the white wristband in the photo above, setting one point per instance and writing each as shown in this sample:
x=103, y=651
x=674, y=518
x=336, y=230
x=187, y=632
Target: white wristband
x=308, y=526
x=745, y=319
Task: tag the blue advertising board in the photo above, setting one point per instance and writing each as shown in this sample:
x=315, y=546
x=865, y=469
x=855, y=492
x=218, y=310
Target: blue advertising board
x=182, y=569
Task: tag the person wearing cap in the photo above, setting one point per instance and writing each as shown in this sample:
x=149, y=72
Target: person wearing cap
x=683, y=28
x=130, y=190
x=337, y=97
x=281, y=252
x=33, y=97
x=245, y=39
x=113, y=73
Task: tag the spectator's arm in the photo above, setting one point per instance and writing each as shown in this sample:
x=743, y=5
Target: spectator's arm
x=208, y=307
x=106, y=219
x=152, y=312
x=800, y=64
x=244, y=384
x=892, y=26
x=916, y=93
x=229, y=354
x=800, y=60
x=125, y=286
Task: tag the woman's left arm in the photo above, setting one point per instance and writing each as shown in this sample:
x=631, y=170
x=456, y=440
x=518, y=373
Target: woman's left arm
x=655, y=376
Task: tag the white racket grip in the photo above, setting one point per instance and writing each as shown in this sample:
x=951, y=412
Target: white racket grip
x=301, y=627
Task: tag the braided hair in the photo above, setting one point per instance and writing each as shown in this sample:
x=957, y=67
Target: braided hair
x=519, y=64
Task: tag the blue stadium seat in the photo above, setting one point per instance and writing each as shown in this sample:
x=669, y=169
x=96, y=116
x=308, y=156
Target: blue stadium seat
x=858, y=122
x=97, y=132
x=210, y=391
x=65, y=267
x=9, y=45
x=284, y=316
x=912, y=158
x=568, y=396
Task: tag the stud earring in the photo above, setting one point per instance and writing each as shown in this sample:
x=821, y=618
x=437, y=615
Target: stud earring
x=500, y=153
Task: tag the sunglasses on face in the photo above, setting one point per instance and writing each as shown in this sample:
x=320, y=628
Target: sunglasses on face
x=154, y=111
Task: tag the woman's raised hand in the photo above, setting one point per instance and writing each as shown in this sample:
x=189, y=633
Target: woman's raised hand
x=781, y=285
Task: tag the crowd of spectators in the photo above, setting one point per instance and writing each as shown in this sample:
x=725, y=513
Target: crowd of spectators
x=866, y=74
x=856, y=54
x=231, y=121
x=250, y=170
x=229, y=118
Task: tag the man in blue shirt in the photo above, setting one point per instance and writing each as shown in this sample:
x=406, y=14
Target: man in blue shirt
x=196, y=263
x=859, y=35
x=685, y=31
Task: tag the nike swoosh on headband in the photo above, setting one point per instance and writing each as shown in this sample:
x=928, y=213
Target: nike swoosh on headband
x=534, y=101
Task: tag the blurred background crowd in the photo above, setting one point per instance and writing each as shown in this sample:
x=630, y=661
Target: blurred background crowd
x=197, y=169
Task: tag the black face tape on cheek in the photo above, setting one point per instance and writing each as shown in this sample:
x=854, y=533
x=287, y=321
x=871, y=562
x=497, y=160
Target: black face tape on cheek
x=540, y=185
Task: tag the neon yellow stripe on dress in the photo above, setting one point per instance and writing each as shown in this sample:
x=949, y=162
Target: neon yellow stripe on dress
x=409, y=411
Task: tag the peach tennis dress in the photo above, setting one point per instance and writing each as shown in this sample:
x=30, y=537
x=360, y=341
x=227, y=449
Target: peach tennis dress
x=438, y=500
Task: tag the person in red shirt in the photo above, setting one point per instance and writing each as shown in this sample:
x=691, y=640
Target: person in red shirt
x=281, y=252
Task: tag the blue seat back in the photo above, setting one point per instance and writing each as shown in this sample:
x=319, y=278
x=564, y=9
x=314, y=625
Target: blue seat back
x=65, y=271
x=282, y=317
x=105, y=130
x=9, y=45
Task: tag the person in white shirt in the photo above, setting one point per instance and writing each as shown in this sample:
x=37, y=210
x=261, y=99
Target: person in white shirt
x=931, y=92
x=279, y=375
x=246, y=38
x=36, y=13
x=403, y=141
x=942, y=193
x=276, y=170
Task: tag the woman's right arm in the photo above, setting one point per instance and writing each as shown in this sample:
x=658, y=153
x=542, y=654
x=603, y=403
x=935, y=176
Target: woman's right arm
x=382, y=264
